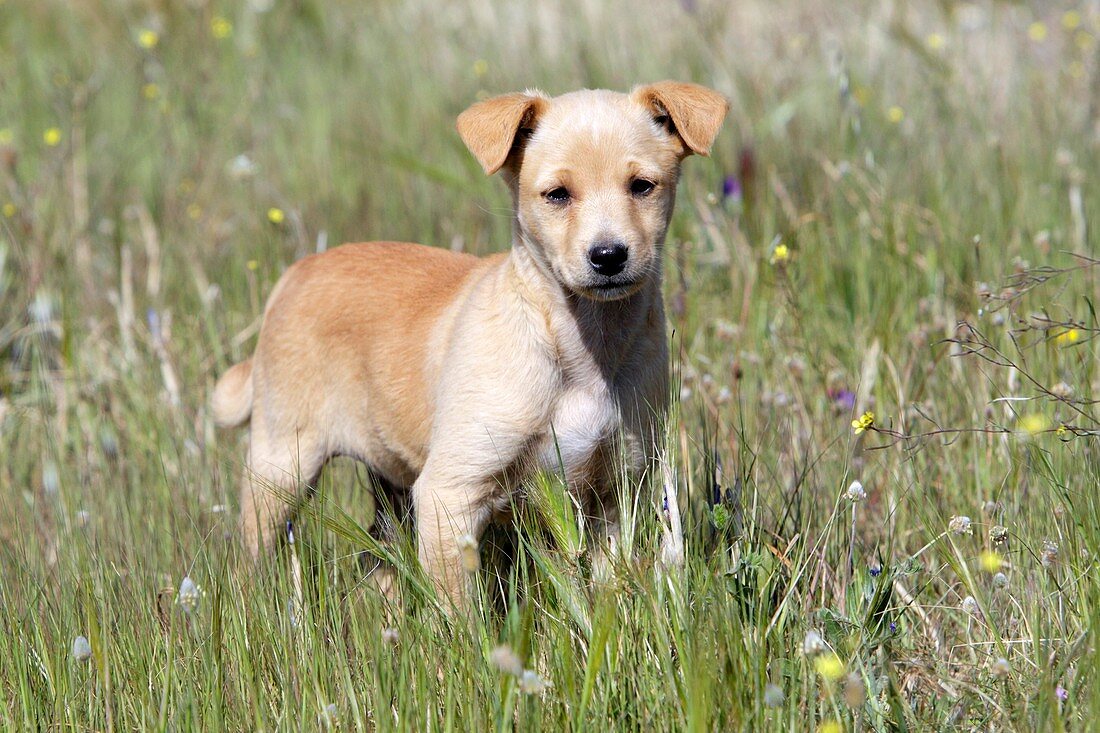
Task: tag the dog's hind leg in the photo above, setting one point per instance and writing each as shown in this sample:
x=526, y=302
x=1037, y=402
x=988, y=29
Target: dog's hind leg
x=392, y=508
x=275, y=472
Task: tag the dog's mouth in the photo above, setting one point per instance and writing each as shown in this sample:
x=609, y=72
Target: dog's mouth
x=611, y=289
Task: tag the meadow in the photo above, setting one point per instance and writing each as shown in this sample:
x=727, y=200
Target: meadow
x=881, y=287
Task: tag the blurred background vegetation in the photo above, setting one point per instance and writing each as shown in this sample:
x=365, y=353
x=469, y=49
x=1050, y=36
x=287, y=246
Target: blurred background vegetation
x=900, y=217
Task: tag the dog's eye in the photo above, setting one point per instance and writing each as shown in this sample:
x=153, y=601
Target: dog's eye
x=642, y=187
x=559, y=195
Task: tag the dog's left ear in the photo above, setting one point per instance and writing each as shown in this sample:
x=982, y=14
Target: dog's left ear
x=696, y=112
x=493, y=129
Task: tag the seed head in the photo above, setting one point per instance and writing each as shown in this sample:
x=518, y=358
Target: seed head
x=1048, y=556
x=773, y=695
x=855, y=692
x=813, y=644
x=82, y=650
x=530, y=683
x=468, y=554
x=189, y=595
x=506, y=660
x=855, y=492
x=960, y=525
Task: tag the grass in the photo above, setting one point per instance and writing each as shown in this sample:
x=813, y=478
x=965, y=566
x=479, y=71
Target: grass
x=931, y=173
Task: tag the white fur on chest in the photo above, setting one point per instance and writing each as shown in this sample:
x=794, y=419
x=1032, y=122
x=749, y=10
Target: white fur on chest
x=583, y=419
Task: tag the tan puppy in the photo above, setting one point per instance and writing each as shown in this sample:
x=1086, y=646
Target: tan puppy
x=454, y=377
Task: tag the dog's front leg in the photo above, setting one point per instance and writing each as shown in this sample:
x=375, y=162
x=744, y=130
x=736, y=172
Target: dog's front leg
x=451, y=514
x=466, y=478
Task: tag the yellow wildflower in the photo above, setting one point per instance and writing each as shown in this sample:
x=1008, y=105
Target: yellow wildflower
x=276, y=216
x=1037, y=31
x=829, y=666
x=8, y=210
x=935, y=41
x=1084, y=40
x=780, y=254
x=52, y=136
x=6, y=136
x=481, y=67
x=991, y=561
x=221, y=27
x=895, y=114
x=1069, y=336
x=1033, y=424
x=866, y=421
x=194, y=211
x=148, y=38
x=1062, y=430
x=150, y=91
x=830, y=726
x=1071, y=19
x=253, y=265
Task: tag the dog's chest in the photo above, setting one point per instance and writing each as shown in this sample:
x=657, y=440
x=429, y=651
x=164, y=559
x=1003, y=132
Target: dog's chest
x=584, y=419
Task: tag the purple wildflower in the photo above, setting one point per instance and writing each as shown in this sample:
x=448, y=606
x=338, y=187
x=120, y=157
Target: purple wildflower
x=153, y=319
x=731, y=187
x=875, y=570
x=1061, y=693
x=843, y=399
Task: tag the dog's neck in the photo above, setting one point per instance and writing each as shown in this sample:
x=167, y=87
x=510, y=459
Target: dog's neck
x=586, y=333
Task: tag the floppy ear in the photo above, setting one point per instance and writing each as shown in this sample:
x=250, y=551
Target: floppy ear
x=695, y=111
x=491, y=129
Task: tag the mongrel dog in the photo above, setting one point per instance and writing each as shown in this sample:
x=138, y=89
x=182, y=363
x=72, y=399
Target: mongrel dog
x=454, y=377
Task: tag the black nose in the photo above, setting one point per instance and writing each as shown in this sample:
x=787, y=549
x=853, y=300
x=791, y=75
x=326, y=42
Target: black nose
x=608, y=258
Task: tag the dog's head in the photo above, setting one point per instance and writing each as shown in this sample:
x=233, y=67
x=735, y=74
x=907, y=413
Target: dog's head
x=593, y=174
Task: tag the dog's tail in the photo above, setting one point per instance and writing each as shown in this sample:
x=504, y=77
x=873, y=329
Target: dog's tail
x=232, y=400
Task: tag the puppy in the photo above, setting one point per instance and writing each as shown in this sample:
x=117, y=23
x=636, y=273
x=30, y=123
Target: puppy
x=454, y=377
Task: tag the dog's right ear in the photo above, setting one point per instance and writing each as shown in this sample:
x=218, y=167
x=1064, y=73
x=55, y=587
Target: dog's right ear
x=494, y=128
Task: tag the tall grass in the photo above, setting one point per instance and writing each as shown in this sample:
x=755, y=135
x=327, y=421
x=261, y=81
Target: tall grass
x=910, y=218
